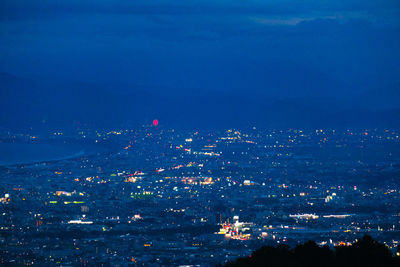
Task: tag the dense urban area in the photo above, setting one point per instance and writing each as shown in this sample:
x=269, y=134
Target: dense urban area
x=157, y=196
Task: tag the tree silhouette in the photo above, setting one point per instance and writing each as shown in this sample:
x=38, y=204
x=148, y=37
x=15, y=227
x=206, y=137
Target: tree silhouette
x=365, y=252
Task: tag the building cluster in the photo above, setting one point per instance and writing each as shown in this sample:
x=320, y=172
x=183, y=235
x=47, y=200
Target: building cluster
x=155, y=196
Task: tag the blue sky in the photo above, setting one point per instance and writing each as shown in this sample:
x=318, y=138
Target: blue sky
x=134, y=40
x=277, y=49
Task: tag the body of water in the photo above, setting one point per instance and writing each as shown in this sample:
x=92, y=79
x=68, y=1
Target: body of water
x=23, y=153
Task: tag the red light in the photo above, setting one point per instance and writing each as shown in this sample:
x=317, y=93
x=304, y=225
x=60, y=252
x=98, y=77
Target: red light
x=155, y=122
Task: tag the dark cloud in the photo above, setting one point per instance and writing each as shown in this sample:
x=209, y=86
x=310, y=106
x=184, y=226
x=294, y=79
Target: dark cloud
x=26, y=8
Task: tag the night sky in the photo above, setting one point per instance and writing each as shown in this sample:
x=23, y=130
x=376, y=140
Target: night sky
x=284, y=63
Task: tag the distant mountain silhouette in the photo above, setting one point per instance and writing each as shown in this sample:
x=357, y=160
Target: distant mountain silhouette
x=365, y=252
x=47, y=103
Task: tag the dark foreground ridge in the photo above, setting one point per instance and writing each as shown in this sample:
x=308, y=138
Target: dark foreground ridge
x=365, y=252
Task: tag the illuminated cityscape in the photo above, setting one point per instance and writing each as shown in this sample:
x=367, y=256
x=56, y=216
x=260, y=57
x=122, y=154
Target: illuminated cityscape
x=196, y=133
x=139, y=196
